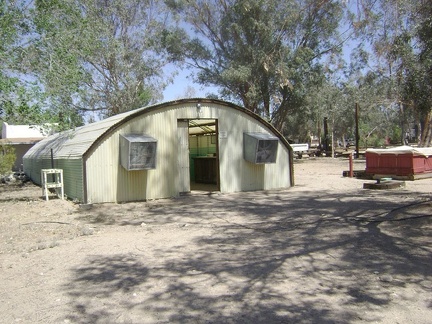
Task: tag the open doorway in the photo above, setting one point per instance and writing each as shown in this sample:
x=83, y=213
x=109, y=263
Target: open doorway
x=203, y=155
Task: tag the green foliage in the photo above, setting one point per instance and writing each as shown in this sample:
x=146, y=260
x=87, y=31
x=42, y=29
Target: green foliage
x=23, y=99
x=11, y=30
x=26, y=104
x=71, y=57
x=373, y=141
x=7, y=159
x=395, y=134
x=280, y=59
x=264, y=54
x=401, y=55
x=94, y=56
x=12, y=27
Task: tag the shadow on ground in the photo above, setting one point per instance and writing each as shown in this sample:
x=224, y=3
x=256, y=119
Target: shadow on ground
x=265, y=258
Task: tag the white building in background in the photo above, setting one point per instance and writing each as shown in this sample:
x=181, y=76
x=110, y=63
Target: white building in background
x=22, y=138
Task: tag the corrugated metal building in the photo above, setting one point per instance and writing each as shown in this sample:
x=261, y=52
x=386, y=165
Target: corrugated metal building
x=165, y=150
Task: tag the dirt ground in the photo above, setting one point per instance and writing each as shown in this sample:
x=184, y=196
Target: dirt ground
x=324, y=251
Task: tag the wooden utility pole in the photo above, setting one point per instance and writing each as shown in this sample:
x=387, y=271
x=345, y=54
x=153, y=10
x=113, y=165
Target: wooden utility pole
x=357, y=136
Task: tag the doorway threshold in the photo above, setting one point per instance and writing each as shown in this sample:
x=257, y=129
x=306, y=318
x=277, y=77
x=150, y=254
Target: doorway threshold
x=198, y=188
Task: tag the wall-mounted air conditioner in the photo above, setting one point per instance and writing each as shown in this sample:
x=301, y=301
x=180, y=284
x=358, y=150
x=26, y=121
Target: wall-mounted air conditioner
x=137, y=152
x=260, y=147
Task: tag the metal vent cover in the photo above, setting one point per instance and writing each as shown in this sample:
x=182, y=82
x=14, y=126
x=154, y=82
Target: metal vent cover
x=260, y=148
x=138, y=152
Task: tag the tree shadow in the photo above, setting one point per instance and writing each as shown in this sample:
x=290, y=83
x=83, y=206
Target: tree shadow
x=270, y=258
x=101, y=278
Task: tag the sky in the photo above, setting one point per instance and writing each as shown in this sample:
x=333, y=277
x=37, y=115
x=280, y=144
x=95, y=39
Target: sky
x=179, y=88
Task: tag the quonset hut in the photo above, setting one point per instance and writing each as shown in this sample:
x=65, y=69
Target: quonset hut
x=165, y=150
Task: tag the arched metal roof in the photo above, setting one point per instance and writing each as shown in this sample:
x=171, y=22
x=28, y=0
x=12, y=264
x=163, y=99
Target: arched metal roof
x=75, y=143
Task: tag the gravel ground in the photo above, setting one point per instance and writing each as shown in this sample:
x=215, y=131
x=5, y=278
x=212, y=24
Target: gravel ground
x=324, y=251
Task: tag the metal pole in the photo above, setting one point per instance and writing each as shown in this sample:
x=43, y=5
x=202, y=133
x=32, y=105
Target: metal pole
x=357, y=136
x=53, y=176
x=325, y=136
x=52, y=159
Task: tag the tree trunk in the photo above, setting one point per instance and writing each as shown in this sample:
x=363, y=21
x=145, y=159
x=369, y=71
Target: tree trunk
x=280, y=115
x=426, y=136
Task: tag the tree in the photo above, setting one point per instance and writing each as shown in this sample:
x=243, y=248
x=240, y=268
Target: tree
x=7, y=159
x=9, y=33
x=22, y=100
x=402, y=53
x=101, y=56
x=264, y=54
x=418, y=85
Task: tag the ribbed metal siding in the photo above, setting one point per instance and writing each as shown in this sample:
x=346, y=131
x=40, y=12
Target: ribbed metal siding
x=277, y=175
x=102, y=169
x=236, y=174
x=72, y=177
x=108, y=181
x=72, y=174
x=32, y=168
